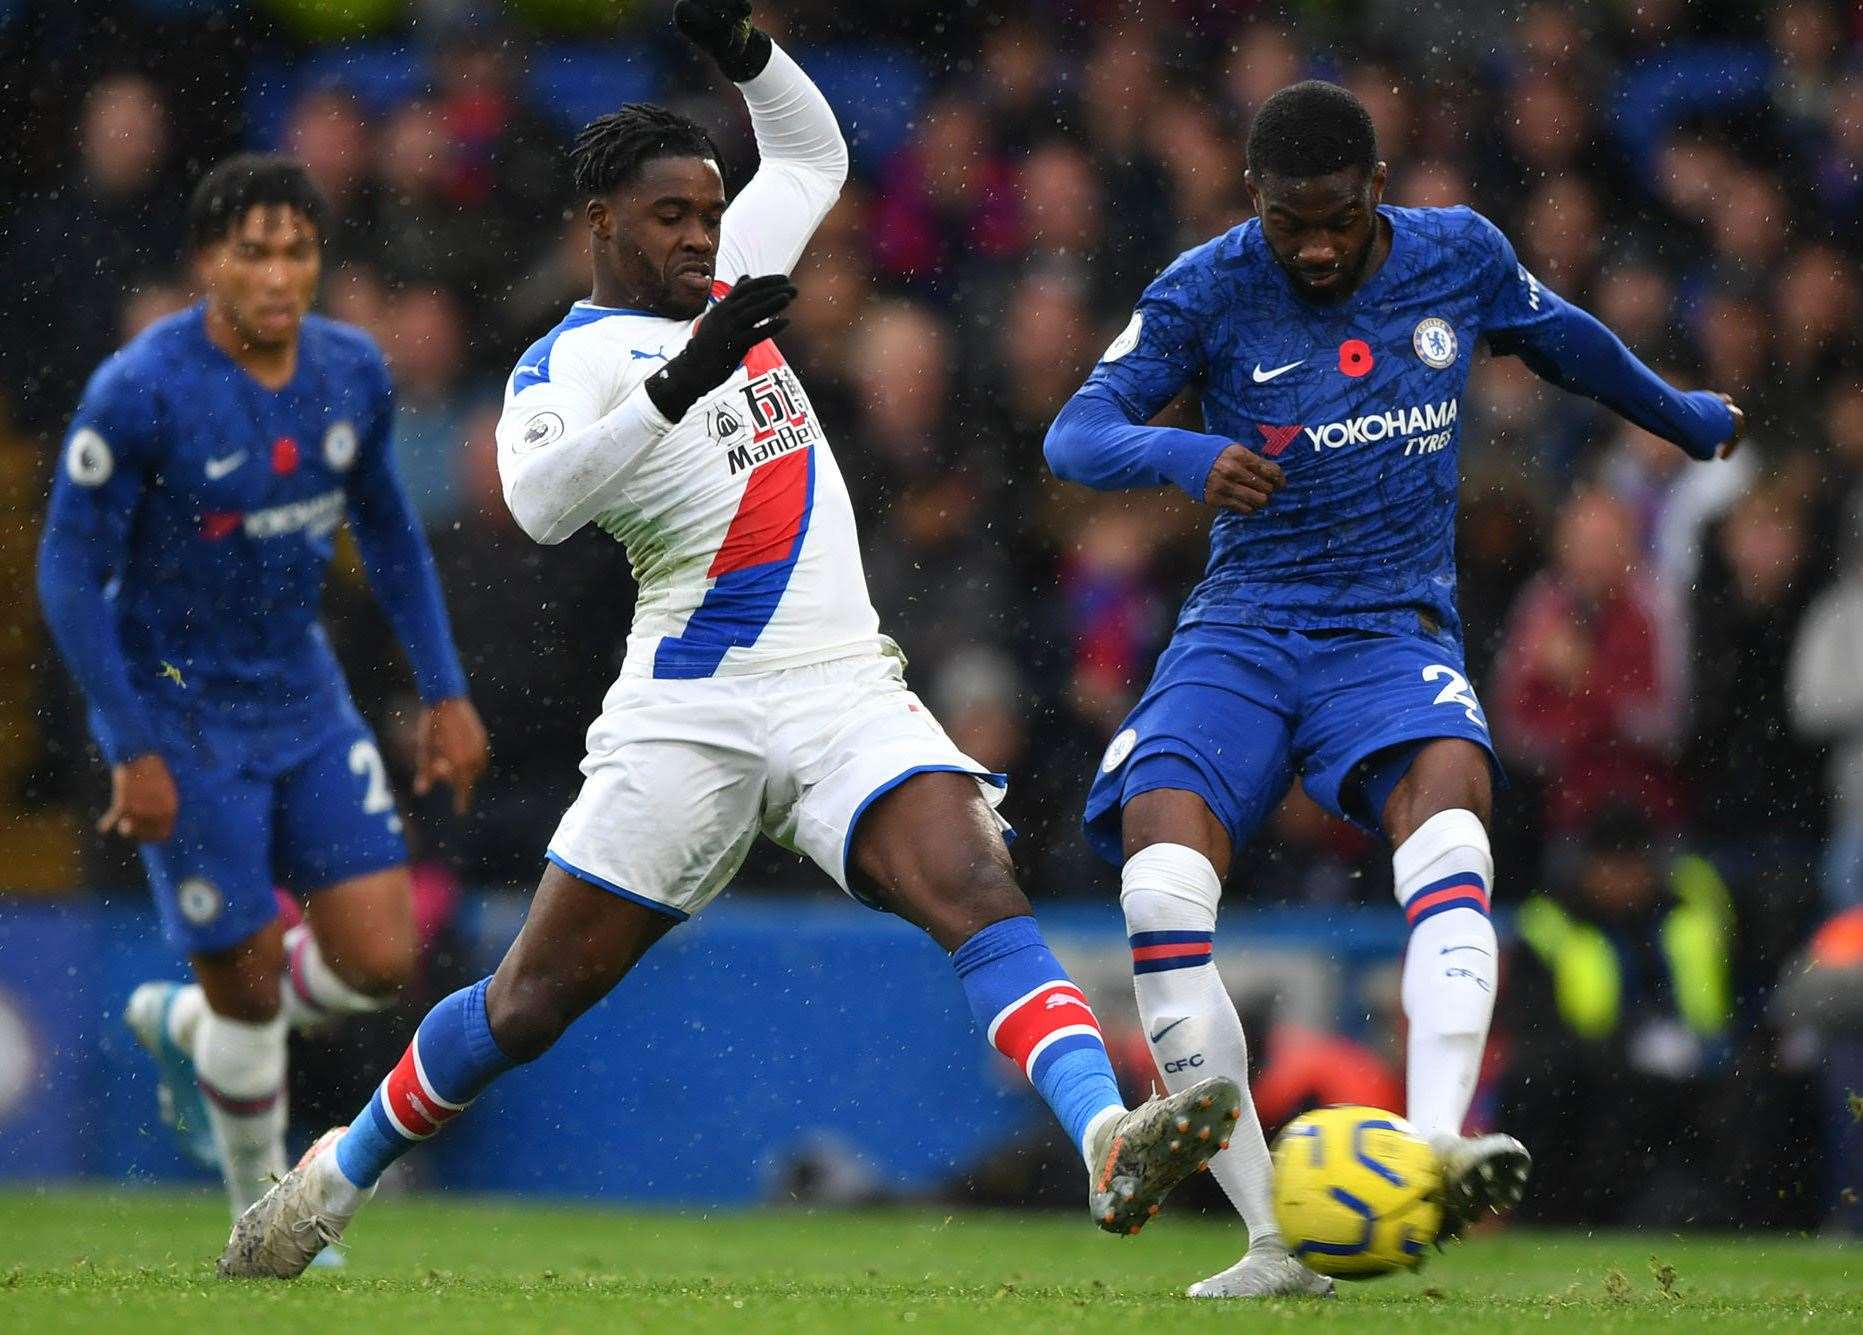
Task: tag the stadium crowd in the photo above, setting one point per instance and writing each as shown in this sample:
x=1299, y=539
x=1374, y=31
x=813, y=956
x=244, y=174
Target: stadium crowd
x=1669, y=653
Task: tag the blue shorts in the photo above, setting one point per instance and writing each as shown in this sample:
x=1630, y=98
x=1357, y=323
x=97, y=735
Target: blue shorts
x=265, y=806
x=1234, y=713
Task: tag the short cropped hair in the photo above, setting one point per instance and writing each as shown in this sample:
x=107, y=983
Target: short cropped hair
x=1311, y=129
x=610, y=150
x=247, y=181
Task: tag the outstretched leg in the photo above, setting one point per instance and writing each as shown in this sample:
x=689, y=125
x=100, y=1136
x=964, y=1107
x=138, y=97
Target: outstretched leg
x=577, y=943
x=1436, y=817
x=929, y=851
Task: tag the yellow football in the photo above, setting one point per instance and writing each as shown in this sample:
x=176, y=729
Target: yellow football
x=1355, y=1191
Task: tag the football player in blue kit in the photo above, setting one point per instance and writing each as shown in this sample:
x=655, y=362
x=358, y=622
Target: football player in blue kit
x=193, y=515
x=1331, y=339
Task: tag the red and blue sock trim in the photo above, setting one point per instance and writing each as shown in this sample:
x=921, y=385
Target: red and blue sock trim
x=1464, y=890
x=1155, y=952
x=1050, y=1020
x=1036, y=1017
x=450, y=1062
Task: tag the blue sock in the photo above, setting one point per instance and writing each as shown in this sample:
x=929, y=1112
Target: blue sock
x=1036, y=1017
x=450, y=1062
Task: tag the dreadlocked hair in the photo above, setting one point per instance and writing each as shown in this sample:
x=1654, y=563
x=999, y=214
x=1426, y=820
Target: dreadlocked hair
x=609, y=150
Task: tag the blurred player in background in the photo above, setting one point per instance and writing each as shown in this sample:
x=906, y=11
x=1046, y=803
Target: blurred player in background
x=193, y=516
x=1331, y=339
x=758, y=692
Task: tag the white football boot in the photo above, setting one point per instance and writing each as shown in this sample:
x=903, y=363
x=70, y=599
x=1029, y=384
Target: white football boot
x=1481, y=1175
x=1140, y=1156
x=178, y=1099
x=1265, y=1273
x=291, y=1224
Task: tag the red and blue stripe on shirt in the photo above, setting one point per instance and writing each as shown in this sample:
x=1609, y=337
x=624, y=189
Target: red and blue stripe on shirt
x=752, y=569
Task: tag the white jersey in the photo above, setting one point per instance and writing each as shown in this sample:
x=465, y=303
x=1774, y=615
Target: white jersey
x=735, y=518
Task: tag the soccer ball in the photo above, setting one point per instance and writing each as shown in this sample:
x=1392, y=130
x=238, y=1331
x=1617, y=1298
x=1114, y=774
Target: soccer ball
x=1355, y=1191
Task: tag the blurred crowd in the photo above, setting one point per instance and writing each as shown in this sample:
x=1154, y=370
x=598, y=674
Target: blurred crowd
x=1669, y=653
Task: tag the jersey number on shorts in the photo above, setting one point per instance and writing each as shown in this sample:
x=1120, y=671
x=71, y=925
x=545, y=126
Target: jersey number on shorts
x=365, y=759
x=1457, y=692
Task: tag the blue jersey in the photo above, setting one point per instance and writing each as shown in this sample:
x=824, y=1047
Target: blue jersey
x=192, y=520
x=1361, y=405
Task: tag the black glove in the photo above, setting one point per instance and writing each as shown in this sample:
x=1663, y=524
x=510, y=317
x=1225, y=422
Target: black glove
x=723, y=28
x=748, y=314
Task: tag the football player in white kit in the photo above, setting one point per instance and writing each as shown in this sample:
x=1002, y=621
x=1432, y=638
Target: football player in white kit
x=758, y=693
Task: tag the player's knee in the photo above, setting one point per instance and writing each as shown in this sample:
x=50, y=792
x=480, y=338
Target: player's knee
x=245, y=983
x=247, y=1002
x=1450, y=775
x=379, y=972
x=1167, y=886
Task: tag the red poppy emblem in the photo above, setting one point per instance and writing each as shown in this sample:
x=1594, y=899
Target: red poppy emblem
x=284, y=455
x=1355, y=357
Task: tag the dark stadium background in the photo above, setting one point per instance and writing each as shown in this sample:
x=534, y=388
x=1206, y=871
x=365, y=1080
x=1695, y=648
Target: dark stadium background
x=1661, y=648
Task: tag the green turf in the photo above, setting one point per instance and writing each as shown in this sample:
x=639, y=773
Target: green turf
x=141, y=1262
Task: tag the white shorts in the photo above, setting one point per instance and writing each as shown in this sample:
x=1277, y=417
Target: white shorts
x=681, y=775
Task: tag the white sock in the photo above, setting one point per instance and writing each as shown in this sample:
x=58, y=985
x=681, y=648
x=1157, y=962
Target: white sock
x=313, y=994
x=336, y=1194
x=1169, y=894
x=1445, y=875
x=241, y=1068
x=1090, y=1139
x=184, y=1015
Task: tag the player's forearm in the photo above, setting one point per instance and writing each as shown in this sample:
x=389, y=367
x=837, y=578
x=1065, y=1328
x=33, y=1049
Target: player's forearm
x=401, y=572
x=1093, y=442
x=555, y=489
x=1576, y=352
x=71, y=593
x=793, y=121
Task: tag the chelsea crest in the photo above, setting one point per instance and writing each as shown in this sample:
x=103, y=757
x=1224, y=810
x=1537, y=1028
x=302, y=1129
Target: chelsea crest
x=1434, y=341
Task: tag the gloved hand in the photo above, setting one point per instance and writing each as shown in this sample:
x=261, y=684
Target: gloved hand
x=748, y=314
x=723, y=29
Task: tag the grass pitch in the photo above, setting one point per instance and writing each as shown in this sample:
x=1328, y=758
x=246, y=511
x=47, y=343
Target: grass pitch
x=143, y=1262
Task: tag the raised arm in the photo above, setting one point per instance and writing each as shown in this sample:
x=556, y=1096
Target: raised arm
x=802, y=156
x=1570, y=348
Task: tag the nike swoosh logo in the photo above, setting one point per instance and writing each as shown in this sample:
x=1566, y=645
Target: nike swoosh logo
x=1263, y=377
x=1159, y=1036
x=219, y=468
x=1450, y=950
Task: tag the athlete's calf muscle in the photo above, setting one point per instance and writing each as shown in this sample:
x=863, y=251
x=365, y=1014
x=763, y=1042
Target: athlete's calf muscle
x=578, y=941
